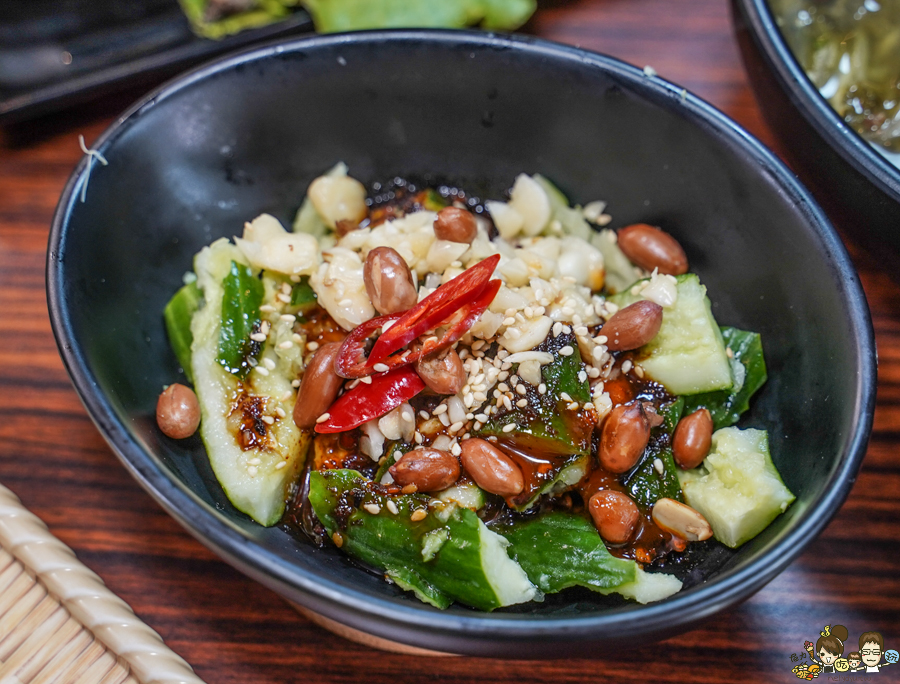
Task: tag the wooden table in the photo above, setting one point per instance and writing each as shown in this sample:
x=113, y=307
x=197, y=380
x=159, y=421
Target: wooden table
x=233, y=630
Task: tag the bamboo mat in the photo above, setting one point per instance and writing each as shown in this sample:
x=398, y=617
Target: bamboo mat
x=59, y=624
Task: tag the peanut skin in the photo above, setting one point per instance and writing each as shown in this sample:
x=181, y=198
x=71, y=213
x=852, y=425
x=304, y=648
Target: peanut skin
x=455, y=225
x=624, y=437
x=692, y=439
x=650, y=248
x=633, y=327
x=615, y=515
x=178, y=411
x=429, y=469
x=492, y=470
x=442, y=372
x=319, y=387
x=388, y=281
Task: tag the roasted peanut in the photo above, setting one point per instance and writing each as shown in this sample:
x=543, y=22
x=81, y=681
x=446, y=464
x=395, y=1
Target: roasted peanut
x=633, y=327
x=455, y=225
x=650, y=248
x=442, y=372
x=692, y=439
x=615, y=515
x=429, y=469
x=681, y=520
x=178, y=411
x=389, y=282
x=319, y=387
x=492, y=470
x=624, y=437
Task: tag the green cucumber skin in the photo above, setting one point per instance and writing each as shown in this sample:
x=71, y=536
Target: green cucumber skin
x=727, y=406
x=687, y=356
x=177, y=315
x=393, y=542
x=561, y=550
x=243, y=295
x=546, y=424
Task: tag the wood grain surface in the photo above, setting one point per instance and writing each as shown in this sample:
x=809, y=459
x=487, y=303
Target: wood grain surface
x=231, y=629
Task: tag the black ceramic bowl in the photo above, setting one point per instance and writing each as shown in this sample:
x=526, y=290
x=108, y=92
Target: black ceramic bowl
x=857, y=186
x=246, y=135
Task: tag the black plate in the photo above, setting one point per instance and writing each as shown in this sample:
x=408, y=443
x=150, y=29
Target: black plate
x=56, y=53
x=246, y=135
x=857, y=186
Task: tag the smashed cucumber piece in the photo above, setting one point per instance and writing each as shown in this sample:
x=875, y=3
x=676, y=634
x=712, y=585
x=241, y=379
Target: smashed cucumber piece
x=749, y=370
x=551, y=443
x=737, y=488
x=560, y=550
x=249, y=470
x=447, y=555
x=178, y=314
x=466, y=495
x=687, y=356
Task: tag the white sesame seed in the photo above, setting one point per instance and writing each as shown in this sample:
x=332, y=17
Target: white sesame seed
x=424, y=415
x=522, y=403
x=297, y=338
x=581, y=330
x=287, y=344
x=295, y=383
x=542, y=389
x=479, y=396
x=372, y=508
x=477, y=426
x=283, y=298
x=566, y=329
x=287, y=395
x=521, y=389
x=506, y=365
x=285, y=288
x=566, y=351
x=503, y=376
x=573, y=406
x=268, y=420
x=638, y=371
x=288, y=318
x=582, y=376
x=269, y=363
x=325, y=416
x=392, y=507
x=439, y=409
x=280, y=412
x=380, y=367
x=258, y=337
x=557, y=329
x=514, y=333
x=565, y=396
x=346, y=302
x=509, y=427
x=658, y=465
x=254, y=461
x=507, y=403
x=267, y=308
x=509, y=321
x=312, y=346
x=280, y=465
x=729, y=352
x=594, y=373
x=456, y=450
x=457, y=426
x=597, y=353
x=626, y=366
x=261, y=370
x=587, y=405
x=252, y=470
x=366, y=380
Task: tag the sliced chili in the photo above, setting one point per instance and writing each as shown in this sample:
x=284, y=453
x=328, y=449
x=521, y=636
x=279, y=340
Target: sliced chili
x=435, y=308
x=366, y=401
x=351, y=360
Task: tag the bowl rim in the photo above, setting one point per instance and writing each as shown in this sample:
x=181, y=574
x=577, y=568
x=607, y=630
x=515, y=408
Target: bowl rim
x=806, y=99
x=408, y=621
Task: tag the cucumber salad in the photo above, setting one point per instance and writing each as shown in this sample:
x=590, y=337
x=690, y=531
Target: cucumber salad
x=485, y=402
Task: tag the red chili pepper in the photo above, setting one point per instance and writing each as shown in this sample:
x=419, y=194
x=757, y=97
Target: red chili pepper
x=366, y=401
x=469, y=315
x=351, y=360
x=434, y=309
